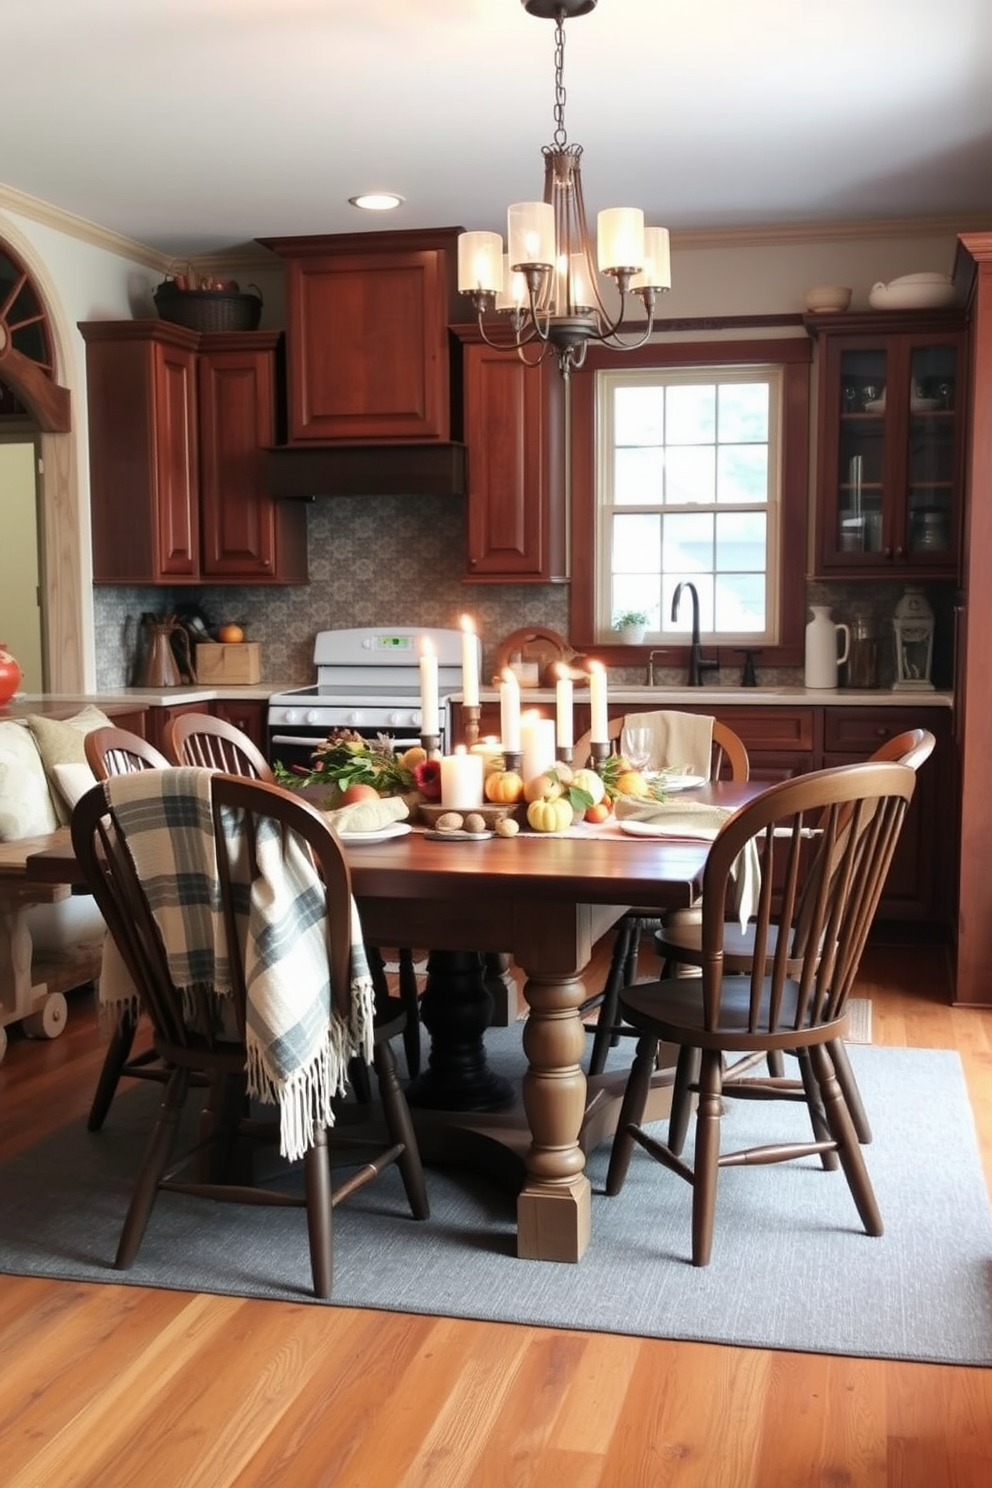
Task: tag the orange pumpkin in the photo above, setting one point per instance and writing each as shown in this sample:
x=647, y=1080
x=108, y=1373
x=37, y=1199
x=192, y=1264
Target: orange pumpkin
x=504, y=787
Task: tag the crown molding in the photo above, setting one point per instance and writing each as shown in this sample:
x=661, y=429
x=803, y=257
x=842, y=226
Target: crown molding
x=780, y=235
x=78, y=227
x=249, y=255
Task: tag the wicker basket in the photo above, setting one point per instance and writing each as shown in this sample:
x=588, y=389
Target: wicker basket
x=209, y=309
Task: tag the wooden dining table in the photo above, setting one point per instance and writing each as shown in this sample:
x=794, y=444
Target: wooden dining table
x=544, y=899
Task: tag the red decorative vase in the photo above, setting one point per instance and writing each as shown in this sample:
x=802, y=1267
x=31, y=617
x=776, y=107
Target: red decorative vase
x=10, y=674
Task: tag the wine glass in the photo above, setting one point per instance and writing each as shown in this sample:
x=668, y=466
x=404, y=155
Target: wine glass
x=638, y=743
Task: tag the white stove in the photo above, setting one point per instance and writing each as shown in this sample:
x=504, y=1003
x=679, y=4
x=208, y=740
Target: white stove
x=368, y=680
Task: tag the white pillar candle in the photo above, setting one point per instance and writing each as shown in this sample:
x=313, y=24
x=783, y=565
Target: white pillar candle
x=489, y=750
x=428, y=689
x=461, y=780
x=470, y=664
x=537, y=744
x=509, y=711
x=563, y=709
x=599, y=731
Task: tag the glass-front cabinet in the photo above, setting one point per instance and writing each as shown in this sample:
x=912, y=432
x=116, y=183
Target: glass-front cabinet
x=889, y=443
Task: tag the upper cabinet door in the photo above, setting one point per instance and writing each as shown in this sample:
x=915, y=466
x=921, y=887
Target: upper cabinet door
x=368, y=354
x=144, y=487
x=515, y=436
x=890, y=445
x=237, y=423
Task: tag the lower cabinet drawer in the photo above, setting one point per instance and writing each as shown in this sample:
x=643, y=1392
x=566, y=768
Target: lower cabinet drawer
x=862, y=730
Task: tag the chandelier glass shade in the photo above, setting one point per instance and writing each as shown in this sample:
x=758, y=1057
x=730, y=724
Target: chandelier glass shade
x=549, y=283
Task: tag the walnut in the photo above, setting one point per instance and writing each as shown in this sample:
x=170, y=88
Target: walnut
x=449, y=821
x=507, y=827
x=474, y=822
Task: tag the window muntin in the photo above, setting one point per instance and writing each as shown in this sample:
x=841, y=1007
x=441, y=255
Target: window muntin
x=690, y=488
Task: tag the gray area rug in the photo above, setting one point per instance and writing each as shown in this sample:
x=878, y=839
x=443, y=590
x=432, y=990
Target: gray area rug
x=791, y=1267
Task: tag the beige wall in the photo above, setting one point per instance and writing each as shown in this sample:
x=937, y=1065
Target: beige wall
x=20, y=614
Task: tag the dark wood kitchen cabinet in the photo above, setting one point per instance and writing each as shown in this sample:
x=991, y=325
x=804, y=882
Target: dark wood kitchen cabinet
x=247, y=715
x=245, y=534
x=368, y=348
x=890, y=444
x=918, y=887
x=515, y=442
x=178, y=427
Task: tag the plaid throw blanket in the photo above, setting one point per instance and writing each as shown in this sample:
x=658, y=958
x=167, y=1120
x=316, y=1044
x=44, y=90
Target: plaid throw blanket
x=298, y=1043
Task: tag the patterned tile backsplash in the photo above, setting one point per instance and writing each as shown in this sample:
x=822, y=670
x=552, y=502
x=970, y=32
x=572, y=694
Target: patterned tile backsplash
x=398, y=561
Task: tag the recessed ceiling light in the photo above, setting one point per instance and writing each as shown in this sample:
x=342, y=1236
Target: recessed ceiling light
x=376, y=201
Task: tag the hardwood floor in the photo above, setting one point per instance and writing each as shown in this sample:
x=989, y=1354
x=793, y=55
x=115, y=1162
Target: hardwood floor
x=109, y=1386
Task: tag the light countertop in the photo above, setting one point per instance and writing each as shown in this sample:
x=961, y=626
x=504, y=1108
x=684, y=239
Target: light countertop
x=643, y=699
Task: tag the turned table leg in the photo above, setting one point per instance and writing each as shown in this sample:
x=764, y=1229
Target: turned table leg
x=553, y=1208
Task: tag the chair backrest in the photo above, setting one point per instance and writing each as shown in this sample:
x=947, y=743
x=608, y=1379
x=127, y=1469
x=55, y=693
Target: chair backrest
x=728, y=754
x=857, y=812
x=911, y=748
x=185, y=1018
x=199, y=739
x=116, y=751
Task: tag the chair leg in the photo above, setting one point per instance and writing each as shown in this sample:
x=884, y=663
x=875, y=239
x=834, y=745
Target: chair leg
x=320, y=1223
x=399, y=1124
x=686, y=1075
x=849, y=1085
x=604, y=1037
x=635, y=1098
x=410, y=998
x=848, y=1147
x=113, y=1065
x=706, y=1163
x=156, y=1160
x=814, y=1105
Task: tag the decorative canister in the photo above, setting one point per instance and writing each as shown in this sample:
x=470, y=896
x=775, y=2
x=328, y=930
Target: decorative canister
x=10, y=674
x=822, y=659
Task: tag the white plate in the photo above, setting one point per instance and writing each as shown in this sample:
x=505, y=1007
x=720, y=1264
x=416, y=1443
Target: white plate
x=635, y=828
x=676, y=782
x=394, y=829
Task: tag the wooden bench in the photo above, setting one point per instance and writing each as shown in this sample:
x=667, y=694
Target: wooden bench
x=33, y=985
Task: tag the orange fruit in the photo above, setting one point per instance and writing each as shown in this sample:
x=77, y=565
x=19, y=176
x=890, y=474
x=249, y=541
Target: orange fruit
x=230, y=634
x=597, y=813
x=631, y=783
x=542, y=788
x=358, y=792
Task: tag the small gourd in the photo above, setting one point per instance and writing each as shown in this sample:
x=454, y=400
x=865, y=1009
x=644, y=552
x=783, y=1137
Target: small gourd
x=504, y=787
x=550, y=816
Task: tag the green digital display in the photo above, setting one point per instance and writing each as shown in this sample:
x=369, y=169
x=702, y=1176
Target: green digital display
x=394, y=643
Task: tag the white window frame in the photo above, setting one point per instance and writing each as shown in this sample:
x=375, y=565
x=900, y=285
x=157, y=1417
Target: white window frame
x=607, y=380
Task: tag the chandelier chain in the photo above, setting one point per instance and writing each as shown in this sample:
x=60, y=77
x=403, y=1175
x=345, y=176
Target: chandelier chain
x=561, y=137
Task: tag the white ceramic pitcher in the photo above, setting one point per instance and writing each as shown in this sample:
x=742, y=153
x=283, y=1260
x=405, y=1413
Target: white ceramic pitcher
x=822, y=647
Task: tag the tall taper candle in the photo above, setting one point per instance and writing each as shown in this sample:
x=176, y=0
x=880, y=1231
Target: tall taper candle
x=470, y=664
x=429, y=723
x=509, y=711
x=599, y=730
x=563, y=709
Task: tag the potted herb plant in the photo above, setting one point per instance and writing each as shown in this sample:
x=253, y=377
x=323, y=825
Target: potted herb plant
x=632, y=625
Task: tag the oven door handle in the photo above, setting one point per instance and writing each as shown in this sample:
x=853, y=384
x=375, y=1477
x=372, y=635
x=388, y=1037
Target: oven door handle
x=298, y=739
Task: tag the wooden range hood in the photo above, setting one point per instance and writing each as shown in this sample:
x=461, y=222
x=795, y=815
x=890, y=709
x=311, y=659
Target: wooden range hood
x=296, y=474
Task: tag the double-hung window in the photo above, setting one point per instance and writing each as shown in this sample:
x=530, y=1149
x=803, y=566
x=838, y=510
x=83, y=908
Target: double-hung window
x=693, y=471
x=689, y=488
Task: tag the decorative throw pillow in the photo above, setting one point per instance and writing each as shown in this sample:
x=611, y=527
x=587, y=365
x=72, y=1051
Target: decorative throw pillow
x=60, y=742
x=26, y=808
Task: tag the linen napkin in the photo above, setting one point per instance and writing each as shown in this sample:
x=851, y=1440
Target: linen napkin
x=683, y=818
x=684, y=739
x=368, y=816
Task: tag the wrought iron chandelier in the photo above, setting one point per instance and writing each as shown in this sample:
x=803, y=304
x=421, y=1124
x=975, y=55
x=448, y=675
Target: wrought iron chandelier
x=548, y=284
